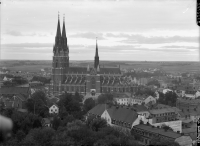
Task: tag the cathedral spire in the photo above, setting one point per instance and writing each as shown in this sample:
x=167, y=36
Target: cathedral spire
x=58, y=34
x=63, y=29
x=96, y=55
x=96, y=58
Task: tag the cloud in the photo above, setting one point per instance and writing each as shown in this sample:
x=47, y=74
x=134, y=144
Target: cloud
x=18, y=33
x=31, y=45
x=14, y=33
x=137, y=38
x=185, y=47
x=89, y=35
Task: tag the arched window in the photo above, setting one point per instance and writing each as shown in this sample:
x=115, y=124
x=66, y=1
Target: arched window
x=56, y=63
x=93, y=83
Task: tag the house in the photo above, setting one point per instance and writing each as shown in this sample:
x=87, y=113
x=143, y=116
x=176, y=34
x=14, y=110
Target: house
x=141, y=110
x=15, y=97
x=122, y=99
x=147, y=133
x=5, y=91
x=192, y=132
x=46, y=122
x=142, y=99
x=15, y=101
x=188, y=104
x=118, y=116
x=166, y=116
x=167, y=90
x=54, y=109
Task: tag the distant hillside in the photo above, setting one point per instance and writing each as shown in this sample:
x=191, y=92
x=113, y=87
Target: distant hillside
x=37, y=65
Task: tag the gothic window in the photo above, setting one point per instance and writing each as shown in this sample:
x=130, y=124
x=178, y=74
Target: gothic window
x=93, y=83
x=56, y=63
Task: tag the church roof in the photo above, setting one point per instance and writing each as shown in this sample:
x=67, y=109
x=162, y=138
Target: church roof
x=83, y=70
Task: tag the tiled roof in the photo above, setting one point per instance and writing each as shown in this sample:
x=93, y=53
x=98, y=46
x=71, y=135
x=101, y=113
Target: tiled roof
x=121, y=95
x=46, y=120
x=21, y=97
x=190, y=130
x=98, y=110
x=104, y=70
x=160, y=111
x=127, y=115
x=141, y=97
x=159, y=131
x=160, y=106
x=188, y=100
x=14, y=90
x=139, y=108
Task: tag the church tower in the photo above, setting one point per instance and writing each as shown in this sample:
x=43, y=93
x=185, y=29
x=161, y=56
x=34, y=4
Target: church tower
x=96, y=58
x=60, y=58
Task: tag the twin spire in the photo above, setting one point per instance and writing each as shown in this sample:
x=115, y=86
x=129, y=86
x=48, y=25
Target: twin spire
x=96, y=55
x=58, y=34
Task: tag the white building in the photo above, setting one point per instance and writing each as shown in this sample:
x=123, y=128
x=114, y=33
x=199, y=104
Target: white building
x=54, y=109
x=166, y=90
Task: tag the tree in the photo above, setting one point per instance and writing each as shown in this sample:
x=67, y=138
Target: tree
x=24, y=121
x=105, y=98
x=88, y=104
x=40, y=136
x=41, y=79
x=56, y=122
x=70, y=106
x=77, y=97
x=154, y=82
x=20, y=135
x=67, y=119
x=37, y=104
x=97, y=123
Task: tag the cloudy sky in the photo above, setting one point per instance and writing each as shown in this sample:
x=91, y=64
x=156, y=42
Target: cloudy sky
x=136, y=30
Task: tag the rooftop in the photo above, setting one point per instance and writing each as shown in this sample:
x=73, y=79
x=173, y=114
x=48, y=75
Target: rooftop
x=14, y=90
x=119, y=113
x=98, y=110
x=127, y=115
x=160, y=111
x=160, y=131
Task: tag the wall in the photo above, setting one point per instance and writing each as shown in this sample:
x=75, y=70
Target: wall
x=107, y=117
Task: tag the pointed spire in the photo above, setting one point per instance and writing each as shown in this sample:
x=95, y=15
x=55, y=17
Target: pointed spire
x=88, y=67
x=58, y=34
x=98, y=68
x=63, y=30
x=96, y=58
x=97, y=55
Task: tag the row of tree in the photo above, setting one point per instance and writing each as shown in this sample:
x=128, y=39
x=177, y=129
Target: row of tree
x=168, y=99
x=15, y=81
x=43, y=80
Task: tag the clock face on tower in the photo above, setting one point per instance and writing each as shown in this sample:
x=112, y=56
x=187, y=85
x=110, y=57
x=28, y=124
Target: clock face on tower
x=93, y=83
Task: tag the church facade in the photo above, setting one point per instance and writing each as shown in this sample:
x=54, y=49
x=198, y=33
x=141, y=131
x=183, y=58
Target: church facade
x=90, y=81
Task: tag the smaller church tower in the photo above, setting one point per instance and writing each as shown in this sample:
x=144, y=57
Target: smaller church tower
x=96, y=58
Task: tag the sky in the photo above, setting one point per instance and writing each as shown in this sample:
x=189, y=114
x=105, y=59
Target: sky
x=129, y=30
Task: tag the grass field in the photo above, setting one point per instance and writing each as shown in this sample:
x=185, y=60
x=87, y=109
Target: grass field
x=170, y=67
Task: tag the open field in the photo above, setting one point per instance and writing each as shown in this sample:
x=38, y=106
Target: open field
x=37, y=65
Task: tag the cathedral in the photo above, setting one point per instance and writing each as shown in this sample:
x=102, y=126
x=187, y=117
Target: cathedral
x=88, y=81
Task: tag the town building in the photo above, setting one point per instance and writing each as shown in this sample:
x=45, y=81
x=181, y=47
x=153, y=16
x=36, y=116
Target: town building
x=117, y=116
x=14, y=97
x=164, y=116
x=90, y=81
x=54, y=109
x=148, y=132
x=188, y=104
